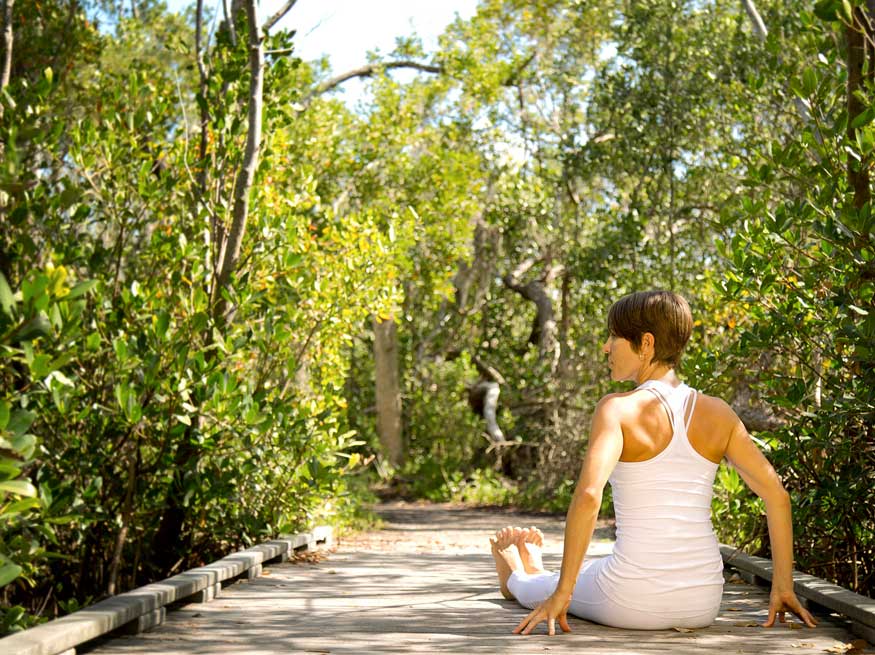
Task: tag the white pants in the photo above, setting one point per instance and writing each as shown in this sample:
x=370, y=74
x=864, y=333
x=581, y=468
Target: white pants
x=589, y=602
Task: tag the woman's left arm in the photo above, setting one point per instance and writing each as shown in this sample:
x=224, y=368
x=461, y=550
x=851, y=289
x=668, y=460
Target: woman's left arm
x=603, y=453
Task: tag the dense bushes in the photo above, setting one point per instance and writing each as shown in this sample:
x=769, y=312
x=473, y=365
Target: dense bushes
x=801, y=286
x=153, y=415
x=142, y=431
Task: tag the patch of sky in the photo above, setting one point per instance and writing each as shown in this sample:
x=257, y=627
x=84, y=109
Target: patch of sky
x=345, y=33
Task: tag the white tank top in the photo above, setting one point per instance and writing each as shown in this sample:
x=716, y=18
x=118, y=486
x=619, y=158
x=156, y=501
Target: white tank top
x=666, y=559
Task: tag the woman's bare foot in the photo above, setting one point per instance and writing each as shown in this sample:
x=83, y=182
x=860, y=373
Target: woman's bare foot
x=529, y=542
x=507, y=556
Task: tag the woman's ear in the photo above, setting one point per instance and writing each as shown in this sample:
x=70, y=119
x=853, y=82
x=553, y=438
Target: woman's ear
x=648, y=343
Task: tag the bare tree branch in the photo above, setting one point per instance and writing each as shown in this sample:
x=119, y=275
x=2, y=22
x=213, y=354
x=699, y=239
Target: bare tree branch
x=544, y=326
x=483, y=399
x=514, y=77
x=7, y=46
x=229, y=21
x=198, y=36
x=246, y=174
x=371, y=69
x=759, y=28
x=273, y=20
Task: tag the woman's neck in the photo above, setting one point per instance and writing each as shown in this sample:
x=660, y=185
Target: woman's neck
x=659, y=372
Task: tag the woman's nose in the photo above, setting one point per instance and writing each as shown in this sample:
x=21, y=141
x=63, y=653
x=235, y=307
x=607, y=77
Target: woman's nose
x=605, y=347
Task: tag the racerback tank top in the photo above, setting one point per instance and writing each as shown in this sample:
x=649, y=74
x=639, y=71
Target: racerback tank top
x=666, y=558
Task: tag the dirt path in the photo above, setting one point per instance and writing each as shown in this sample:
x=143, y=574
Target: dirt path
x=425, y=583
x=447, y=528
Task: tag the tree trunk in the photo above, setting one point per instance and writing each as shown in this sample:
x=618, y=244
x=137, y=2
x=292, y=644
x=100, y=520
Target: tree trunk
x=564, y=327
x=388, y=389
x=483, y=399
x=544, y=325
x=8, y=36
x=126, y=516
x=246, y=174
x=170, y=530
x=859, y=35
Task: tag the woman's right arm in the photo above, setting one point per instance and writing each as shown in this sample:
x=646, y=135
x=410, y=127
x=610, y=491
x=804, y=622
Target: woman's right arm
x=764, y=481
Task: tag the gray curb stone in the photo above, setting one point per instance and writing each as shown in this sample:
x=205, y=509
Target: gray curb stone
x=144, y=608
x=858, y=608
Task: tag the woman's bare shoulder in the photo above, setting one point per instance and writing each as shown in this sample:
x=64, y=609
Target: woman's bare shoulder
x=615, y=403
x=715, y=411
x=624, y=403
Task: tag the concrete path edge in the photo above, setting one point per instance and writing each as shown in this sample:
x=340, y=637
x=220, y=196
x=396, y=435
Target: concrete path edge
x=858, y=608
x=143, y=608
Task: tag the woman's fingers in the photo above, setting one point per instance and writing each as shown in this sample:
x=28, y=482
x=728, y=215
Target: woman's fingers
x=803, y=614
x=524, y=623
x=563, y=622
x=541, y=613
x=779, y=609
x=535, y=620
x=771, y=620
x=532, y=623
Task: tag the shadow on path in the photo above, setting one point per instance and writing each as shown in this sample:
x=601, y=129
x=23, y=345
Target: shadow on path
x=398, y=597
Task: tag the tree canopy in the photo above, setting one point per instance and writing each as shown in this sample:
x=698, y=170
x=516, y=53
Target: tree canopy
x=231, y=305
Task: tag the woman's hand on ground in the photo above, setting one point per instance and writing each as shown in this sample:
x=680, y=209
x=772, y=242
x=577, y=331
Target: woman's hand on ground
x=786, y=601
x=555, y=607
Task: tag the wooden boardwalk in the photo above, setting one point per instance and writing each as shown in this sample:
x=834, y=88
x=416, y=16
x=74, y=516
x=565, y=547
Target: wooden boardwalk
x=425, y=583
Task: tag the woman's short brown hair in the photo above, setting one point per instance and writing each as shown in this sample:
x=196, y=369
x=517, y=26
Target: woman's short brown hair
x=664, y=314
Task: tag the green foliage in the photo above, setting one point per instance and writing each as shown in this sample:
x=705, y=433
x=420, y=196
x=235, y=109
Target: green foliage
x=154, y=416
x=127, y=407
x=801, y=277
x=37, y=324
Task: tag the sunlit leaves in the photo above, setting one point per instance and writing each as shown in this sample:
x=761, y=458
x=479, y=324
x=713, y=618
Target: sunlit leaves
x=799, y=266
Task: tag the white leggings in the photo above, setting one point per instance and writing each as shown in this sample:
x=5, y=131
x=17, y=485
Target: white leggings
x=589, y=602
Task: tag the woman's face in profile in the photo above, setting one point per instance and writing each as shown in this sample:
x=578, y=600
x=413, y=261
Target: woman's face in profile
x=623, y=361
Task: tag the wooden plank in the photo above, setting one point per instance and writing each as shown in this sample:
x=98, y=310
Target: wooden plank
x=113, y=613
x=860, y=609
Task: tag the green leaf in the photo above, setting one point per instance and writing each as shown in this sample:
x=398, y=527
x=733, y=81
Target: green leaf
x=162, y=322
x=128, y=401
x=121, y=349
x=35, y=328
x=81, y=289
x=19, y=506
x=4, y=414
x=827, y=10
x=24, y=444
x=848, y=11
x=41, y=365
x=20, y=421
x=20, y=487
x=7, y=301
x=8, y=573
x=809, y=81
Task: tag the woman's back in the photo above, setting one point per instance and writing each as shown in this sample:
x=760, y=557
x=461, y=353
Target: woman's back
x=666, y=559
x=660, y=456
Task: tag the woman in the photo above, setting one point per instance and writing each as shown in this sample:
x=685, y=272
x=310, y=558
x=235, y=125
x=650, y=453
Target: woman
x=660, y=446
